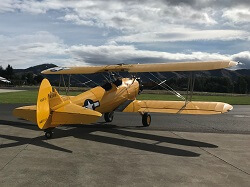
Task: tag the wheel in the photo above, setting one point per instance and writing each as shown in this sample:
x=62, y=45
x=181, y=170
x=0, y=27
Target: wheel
x=48, y=134
x=146, y=119
x=109, y=116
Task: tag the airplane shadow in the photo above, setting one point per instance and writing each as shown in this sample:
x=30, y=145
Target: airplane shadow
x=85, y=132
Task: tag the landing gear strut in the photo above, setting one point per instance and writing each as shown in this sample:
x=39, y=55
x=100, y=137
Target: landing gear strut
x=109, y=116
x=146, y=119
x=48, y=133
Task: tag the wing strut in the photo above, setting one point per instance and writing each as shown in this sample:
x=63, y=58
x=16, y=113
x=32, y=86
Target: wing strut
x=190, y=89
x=61, y=80
x=68, y=85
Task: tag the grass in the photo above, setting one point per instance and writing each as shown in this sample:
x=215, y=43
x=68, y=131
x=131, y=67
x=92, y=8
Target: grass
x=23, y=96
x=233, y=100
x=31, y=96
x=18, y=97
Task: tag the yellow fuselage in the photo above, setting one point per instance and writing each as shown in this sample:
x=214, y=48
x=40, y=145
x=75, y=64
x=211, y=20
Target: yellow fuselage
x=110, y=99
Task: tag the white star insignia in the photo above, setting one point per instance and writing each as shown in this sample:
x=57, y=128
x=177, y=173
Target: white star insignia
x=89, y=106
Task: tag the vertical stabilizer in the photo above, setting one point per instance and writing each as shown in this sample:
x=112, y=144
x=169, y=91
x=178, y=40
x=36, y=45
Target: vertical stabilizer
x=43, y=106
x=54, y=99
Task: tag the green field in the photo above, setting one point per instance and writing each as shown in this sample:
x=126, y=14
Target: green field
x=30, y=97
x=233, y=100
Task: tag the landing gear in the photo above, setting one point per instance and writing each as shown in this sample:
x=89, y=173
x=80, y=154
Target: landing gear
x=146, y=119
x=48, y=133
x=109, y=116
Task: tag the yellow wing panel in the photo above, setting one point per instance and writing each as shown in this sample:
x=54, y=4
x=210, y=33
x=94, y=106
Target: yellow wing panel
x=183, y=66
x=153, y=67
x=178, y=107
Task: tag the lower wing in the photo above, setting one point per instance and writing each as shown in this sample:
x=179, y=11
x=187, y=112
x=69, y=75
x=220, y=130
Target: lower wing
x=178, y=107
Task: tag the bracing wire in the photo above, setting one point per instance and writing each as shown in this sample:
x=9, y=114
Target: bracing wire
x=89, y=79
x=166, y=86
x=83, y=83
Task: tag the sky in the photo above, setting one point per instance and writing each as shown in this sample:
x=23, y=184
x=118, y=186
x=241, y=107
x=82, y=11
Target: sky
x=77, y=32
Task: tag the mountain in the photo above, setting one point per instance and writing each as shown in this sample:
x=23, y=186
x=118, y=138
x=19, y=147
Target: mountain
x=35, y=69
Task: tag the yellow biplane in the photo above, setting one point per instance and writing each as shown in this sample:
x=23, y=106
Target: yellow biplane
x=53, y=110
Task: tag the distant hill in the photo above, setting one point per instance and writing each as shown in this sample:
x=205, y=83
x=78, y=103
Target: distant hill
x=35, y=69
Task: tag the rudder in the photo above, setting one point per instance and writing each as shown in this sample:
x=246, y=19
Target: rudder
x=43, y=106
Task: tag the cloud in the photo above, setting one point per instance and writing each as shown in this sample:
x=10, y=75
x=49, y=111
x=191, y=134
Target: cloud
x=115, y=54
x=42, y=47
x=112, y=54
x=184, y=35
x=237, y=15
x=6, y=6
x=149, y=21
x=27, y=50
x=201, y=4
x=75, y=18
x=122, y=15
x=243, y=58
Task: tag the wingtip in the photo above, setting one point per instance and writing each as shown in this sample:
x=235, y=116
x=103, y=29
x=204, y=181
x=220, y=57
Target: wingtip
x=227, y=108
x=233, y=63
x=46, y=71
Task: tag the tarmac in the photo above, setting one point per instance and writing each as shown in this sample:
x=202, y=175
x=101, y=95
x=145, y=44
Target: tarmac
x=176, y=150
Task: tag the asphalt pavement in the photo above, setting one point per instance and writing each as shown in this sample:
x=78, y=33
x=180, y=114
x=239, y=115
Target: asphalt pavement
x=175, y=150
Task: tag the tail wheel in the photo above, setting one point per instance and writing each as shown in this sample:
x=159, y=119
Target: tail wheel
x=48, y=134
x=146, y=119
x=109, y=116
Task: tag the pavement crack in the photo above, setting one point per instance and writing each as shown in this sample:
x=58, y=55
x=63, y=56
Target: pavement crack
x=225, y=161
x=31, y=140
x=216, y=156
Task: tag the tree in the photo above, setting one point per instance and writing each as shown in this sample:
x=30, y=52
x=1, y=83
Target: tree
x=30, y=78
x=241, y=86
x=38, y=78
x=9, y=72
x=1, y=71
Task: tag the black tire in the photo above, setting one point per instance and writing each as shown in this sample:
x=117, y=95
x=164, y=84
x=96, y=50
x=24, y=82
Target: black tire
x=109, y=116
x=48, y=134
x=146, y=119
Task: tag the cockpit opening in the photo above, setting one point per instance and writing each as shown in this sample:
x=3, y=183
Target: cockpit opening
x=107, y=86
x=118, y=82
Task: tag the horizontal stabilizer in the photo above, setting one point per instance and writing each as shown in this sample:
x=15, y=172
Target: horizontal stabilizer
x=26, y=112
x=74, y=114
x=178, y=107
x=68, y=114
x=154, y=67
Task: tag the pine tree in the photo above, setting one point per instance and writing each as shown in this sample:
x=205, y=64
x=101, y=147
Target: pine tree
x=9, y=72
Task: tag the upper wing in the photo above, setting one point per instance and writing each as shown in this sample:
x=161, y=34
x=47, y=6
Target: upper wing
x=178, y=107
x=162, y=67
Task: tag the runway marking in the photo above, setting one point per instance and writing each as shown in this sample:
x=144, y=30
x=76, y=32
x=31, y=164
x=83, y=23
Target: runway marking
x=241, y=116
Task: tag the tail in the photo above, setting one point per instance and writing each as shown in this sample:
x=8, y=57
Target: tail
x=51, y=110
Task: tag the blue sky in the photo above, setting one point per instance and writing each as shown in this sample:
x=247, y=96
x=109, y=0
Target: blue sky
x=73, y=33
